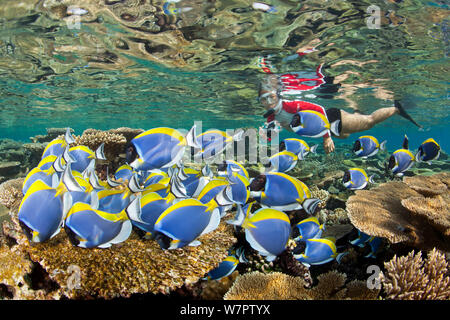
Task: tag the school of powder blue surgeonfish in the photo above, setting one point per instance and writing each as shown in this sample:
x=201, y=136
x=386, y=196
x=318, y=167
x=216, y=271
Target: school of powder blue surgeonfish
x=174, y=205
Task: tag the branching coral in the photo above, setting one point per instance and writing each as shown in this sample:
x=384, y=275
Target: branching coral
x=280, y=286
x=412, y=278
x=399, y=213
x=11, y=193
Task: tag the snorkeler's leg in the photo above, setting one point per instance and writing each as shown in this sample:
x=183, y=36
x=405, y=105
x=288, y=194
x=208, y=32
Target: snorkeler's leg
x=356, y=122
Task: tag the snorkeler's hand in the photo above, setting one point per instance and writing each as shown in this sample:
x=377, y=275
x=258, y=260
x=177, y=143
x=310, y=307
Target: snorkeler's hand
x=328, y=144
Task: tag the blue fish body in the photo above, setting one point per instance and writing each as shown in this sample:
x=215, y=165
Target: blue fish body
x=89, y=228
x=158, y=148
x=113, y=201
x=225, y=268
x=404, y=160
x=55, y=147
x=238, y=189
x=38, y=174
x=309, y=228
x=283, y=192
x=356, y=179
x=124, y=172
x=83, y=156
x=46, y=163
x=212, y=143
x=374, y=243
x=267, y=231
x=41, y=212
x=429, y=150
x=367, y=146
x=361, y=240
x=313, y=124
x=283, y=161
x=318, y=251
x=211, y=190
x=186, y=220
x=233, y=166
x=151, y=207
x=299, y=147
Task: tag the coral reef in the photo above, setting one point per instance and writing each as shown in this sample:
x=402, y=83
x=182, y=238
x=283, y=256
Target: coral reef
x=399, y=213
x=216, y=289
x=11, y=193
x=413, y=278
x=125, y=269
x=279, y=286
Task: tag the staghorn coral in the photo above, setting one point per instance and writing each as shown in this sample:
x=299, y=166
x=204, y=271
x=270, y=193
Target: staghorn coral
x=320, y=194
x=395, y=211
x=412, y=278
x=280, y=286
x=134, y=266
x=11, y=193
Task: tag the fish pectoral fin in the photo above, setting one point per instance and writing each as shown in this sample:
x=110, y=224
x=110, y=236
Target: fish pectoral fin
x=194, y=243
x=105, y=245
x=124, y=233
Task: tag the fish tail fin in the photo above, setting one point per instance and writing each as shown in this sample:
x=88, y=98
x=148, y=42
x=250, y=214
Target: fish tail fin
x=310, y=205
x=371, y=179
x=404, y=114
x=191, y=138
x=100, y=152
x=68, y=137
x=383, y=145
x=212, y=204
x=334, y=127
x=313, y=148
x=133, y=210
x=133, y=184
x=239, y=218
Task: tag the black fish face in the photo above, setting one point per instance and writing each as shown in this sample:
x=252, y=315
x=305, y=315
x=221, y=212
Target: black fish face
x=222, y=166
x=346, y=177
x=74, y=240
x=356, y=146
x=131, y=153
x=282, y=146
x=27, y=230
x=300, y=248
x=391, y=163
x=296, y=121
x=258, y=183
x=163, y=240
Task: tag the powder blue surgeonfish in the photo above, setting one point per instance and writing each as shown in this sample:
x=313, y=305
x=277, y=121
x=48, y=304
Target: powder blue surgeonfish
x=56, y=146
x=83, y=156
x=123, y=173
x=42, y=210
x=227, y=266
x=356, y=179
x=183, y=222
x=158, y=148
x=363, y=239
x=283, y=161
x=144, y=210
x=319, y=251
x=237, y=190
x=90, y=228
x=267, y=230
x=212, y=142
x=283, y=192
x=297, y=146
x=227, y=166
x=429, y=150
x=368, y=146
x=401, y=160
x=309, y=228
x=310, y=123
x=38, y=174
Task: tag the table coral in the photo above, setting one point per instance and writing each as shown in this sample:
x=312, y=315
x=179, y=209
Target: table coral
x=279, y=286
x=412, y=278
x=399, y=213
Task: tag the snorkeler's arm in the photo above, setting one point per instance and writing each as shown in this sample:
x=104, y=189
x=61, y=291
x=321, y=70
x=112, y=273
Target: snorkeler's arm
x=328, y=144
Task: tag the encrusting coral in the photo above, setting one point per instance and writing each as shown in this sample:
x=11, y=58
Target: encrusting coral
x=399, y=213
x=11, y=193
x=412, y=278
x=280, y=286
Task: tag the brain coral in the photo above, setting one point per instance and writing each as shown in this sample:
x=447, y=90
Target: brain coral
x=400, y=213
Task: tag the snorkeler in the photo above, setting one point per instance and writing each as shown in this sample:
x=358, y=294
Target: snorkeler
x=340, y=123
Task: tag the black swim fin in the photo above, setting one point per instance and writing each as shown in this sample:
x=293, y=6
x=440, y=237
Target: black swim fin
x=403, y=113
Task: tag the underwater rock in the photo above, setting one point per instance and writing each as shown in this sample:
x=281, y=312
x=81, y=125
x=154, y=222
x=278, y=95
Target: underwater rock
x=381, y=212
x=413, y=278
x=11, y=193
x=10, y=168
x=330, y=178
x=216, y=289
x=279, y=286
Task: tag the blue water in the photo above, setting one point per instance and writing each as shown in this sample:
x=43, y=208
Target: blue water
x=206, y=70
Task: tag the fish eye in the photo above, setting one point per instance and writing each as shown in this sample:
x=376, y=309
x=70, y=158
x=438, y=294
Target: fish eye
x=296, y=121
x=27, y=230
x=131, y=153
x=72, y=236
